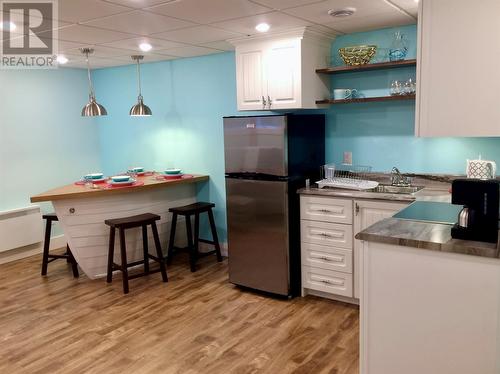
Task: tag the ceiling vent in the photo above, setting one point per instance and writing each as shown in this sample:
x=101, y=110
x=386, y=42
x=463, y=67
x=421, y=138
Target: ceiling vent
x=344, y=12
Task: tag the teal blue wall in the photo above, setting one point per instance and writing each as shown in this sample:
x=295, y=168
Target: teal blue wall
x=188, y=98
x=381, y=134
x=44, y=143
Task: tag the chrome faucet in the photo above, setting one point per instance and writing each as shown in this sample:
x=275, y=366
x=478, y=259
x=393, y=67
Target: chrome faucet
x=398, y=179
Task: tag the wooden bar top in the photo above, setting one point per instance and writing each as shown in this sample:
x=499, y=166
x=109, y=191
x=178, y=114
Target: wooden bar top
x=73, y=191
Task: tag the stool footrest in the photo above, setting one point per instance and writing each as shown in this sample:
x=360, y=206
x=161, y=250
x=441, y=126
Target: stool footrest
x=55, y=257
x=143, y=274
x=204, y=254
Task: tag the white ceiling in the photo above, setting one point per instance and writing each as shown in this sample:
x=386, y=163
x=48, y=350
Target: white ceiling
x=185, y=28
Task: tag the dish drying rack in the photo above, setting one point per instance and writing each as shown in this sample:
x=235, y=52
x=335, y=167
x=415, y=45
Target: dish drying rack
x=352, y=177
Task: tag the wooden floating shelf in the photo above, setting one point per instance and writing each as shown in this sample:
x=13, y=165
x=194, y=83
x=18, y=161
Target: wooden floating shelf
x=377, y=66
x=367, y=99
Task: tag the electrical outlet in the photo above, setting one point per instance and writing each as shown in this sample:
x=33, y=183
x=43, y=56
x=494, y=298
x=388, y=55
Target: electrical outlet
x=347, y=158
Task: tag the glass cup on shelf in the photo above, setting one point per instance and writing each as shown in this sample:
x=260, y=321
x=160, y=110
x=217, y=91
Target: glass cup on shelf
x=410, y=87
x=396, y=88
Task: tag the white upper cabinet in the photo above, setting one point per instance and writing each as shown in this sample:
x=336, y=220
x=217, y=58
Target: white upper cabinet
x=458, y=74
x=250, y=72
x=283, y=74
x=278, y=71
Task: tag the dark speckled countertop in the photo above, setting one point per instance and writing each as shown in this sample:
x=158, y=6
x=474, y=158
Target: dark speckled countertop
x=426, y=194
x=436, y=189
x=416, y=233
x=424, y=234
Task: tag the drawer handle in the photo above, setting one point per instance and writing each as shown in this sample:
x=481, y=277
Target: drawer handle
x=325, y=235
x=324, y=211
x=330, y=259
x=325, y=281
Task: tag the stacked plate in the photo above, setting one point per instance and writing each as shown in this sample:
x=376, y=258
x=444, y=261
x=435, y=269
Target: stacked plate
x=122, y=180
x=94, y=178
x=172, y=173
x=138, y=170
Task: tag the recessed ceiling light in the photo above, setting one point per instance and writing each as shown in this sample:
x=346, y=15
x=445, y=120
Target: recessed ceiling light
x=10, y=26
x=344, y=12
x=61, y=59
x=262, y=27
x=145, y=47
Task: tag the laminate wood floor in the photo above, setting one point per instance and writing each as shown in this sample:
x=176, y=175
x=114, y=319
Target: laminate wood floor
x=195, y=323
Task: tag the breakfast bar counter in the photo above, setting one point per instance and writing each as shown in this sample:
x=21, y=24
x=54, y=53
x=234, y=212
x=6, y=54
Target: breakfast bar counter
x=82, y=210
x=72, y=191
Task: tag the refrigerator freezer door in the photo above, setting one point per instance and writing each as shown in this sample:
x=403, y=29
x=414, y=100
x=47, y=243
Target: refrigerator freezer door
x=256, y=145
x=258, y=234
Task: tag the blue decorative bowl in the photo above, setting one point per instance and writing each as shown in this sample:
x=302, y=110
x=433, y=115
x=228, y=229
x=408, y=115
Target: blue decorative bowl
x=120, y=178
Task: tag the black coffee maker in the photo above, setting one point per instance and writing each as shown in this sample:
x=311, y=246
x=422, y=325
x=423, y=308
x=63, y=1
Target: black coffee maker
x=478, y=219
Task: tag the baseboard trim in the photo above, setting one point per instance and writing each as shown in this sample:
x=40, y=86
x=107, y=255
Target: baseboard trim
x=56, y=242
x=349, y=300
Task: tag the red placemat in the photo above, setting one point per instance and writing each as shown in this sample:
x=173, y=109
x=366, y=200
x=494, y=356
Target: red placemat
x=173, y=177
x=135, y=184
x=82, y=183
x=143, y=174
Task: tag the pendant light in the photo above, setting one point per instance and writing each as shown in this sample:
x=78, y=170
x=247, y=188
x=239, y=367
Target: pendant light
x=92, y=108
x=139, y=109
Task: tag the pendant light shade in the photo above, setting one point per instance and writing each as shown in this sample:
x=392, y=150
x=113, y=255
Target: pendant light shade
x=92, y=108
x=139, y=109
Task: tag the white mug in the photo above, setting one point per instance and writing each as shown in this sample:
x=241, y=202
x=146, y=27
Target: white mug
x=344, y=93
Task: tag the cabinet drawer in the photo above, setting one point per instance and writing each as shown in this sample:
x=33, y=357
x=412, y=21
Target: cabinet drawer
x=333, y=282
x=323, y=233
x=326, y=209
x=329, y=258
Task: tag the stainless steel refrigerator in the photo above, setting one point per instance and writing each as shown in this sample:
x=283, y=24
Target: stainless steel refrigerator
x=267, y=159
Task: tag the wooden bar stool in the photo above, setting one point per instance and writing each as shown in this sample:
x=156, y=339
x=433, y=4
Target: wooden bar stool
x=187, y=211
x=122, y=224
x=47, y=257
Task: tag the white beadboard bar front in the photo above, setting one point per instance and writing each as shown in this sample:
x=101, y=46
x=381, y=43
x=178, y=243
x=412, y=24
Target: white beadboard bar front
x=82, y=220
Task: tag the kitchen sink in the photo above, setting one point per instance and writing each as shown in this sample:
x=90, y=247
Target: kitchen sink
x=386, y=188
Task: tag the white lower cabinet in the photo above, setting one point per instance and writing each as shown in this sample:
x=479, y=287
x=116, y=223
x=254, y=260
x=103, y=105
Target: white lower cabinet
x=333, y=282
x=326, y=233
x=331, y=265
x=327, y=257
x=367, y=213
